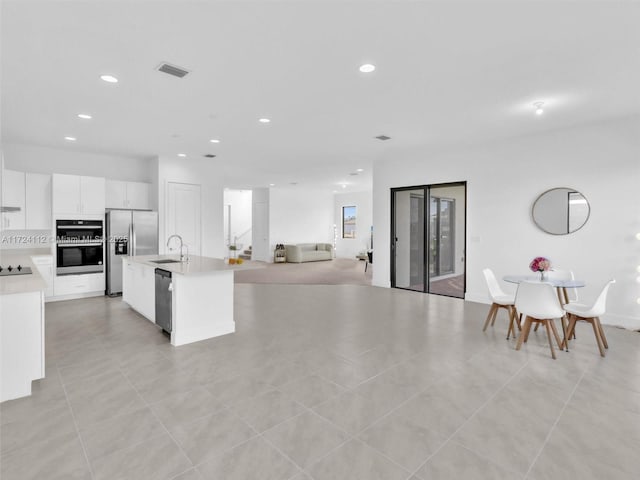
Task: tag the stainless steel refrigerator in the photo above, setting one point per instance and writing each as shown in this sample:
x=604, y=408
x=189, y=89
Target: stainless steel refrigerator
x=129, y=233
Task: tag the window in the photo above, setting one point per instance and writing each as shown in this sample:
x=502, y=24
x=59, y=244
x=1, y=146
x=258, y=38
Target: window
x=348, y=222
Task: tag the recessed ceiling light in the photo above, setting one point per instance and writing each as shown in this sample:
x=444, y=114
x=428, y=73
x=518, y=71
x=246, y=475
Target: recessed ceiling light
x=383, y=137
x=182, y=155
x=70, y=139
x=367, y=68
x=360, y=170
x=539, y=109
x=264, y=120
x=109, y=78
x=344, y=186
x=272, y=184
x=85, y=116
x=214, y=140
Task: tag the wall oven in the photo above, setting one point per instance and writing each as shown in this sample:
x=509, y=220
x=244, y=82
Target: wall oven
x=79, y=247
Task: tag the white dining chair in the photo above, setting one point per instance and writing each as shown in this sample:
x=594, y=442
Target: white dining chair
x=538, y=303
x=591, y=314
x=565, y=295
x=500, y=300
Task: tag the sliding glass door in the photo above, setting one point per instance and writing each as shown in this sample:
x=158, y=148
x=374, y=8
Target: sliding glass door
x=428, y=228
x=409, y=239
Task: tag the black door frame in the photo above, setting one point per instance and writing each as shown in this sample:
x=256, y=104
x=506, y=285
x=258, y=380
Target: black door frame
x=427, y=210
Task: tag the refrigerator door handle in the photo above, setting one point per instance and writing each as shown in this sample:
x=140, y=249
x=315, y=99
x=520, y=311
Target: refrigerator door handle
x=132, y=239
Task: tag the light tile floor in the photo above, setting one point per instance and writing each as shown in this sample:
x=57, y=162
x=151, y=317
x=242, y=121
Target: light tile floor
x=323, y=382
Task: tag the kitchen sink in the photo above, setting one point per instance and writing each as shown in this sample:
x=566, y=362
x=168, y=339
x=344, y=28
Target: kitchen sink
x=166, y=260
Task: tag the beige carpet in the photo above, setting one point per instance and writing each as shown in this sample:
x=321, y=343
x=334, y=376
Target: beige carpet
x=339, y=271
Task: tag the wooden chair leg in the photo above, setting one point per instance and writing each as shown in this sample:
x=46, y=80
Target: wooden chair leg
x=525, y=328
x=572, y=326
x=536, y=327
x=602, y=335
x=564, y=322
x=597, y=334
x=517, y=317
x=512, y=321
x=491, y=310
x=548, y=329
x=495, y=314
x=555, y=333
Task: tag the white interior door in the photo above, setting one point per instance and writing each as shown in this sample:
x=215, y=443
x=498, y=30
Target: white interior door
x=183, y=215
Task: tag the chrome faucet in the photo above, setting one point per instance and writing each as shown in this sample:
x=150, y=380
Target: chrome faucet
x=183, y=257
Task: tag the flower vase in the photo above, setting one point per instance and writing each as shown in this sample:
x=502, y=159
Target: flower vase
x=543, y=276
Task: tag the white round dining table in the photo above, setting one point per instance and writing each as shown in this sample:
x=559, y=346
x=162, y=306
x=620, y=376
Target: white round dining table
x=553, y=281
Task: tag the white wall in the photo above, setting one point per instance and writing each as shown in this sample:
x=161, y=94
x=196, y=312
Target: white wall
x=240, y=205
x=260, y=225
x=504, y=179
x=196, y=172
x=299, y=215
x=350, y=247
x=32, y=158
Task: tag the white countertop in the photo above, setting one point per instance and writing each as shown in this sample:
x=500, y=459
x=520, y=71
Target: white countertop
x=22, y=283
x=195, y=264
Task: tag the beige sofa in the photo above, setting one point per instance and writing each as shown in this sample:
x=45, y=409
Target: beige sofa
x=308, y=252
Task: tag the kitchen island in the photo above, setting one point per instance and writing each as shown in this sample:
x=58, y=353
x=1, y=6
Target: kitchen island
x=200, y=293
x=21, y=325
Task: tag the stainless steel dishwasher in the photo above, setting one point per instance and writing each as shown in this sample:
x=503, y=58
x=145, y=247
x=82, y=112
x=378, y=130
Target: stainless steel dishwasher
x=164, y=290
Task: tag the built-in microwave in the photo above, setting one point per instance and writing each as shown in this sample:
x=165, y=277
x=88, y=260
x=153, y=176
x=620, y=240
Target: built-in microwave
x=79, y=247
x=79, y=231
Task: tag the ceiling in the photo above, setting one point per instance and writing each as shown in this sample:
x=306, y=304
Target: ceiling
x=447, y=73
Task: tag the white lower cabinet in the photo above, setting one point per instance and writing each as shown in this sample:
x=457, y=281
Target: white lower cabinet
x=21, y=343
x=78, y=284
x=139, y=288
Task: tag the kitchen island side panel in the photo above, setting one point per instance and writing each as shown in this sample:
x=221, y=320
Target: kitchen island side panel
x=202, y=306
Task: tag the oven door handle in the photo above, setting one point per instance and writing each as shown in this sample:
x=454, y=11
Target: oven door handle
x=77, y=227
x=80, y=244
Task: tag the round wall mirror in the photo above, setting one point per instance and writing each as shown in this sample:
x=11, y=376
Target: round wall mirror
x=560, y=211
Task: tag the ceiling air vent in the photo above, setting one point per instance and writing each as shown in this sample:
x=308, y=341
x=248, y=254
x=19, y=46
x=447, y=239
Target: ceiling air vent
x=172, y=70
x=383, y=137
x=209, y=155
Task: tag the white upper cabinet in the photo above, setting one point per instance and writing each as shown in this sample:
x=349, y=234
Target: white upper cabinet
x=116, y=194
x=66, y=193
x=79, y=195
x=38, y=201
x=13, y=195
x=139, y=195
x=134, y=195
x=92, y=195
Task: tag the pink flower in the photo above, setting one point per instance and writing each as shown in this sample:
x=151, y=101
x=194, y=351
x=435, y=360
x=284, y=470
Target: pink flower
x=540, y=264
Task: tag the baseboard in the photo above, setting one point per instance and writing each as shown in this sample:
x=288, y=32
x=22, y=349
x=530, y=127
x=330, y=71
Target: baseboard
x=623, y=321
x=477, y=297
x=75, y=296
